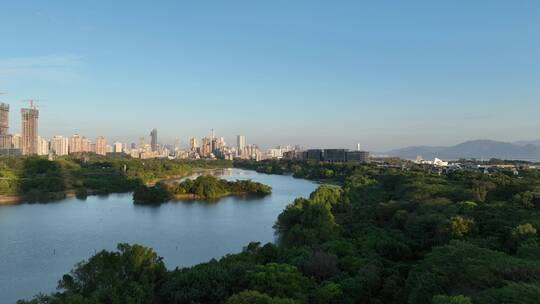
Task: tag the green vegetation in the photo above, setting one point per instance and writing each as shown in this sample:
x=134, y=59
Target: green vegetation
x=203, y=187
x=39, y=179
x=130, y=275
x=386, y=236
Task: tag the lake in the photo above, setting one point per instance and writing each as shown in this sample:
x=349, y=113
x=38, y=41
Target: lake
x=41, y=242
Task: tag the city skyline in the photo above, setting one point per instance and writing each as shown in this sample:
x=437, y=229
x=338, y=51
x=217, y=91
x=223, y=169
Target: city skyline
x=187, y=140
x=389, y=75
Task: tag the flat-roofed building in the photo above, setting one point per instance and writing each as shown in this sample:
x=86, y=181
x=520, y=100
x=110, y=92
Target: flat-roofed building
x=335, y=155
x=295, y=155
x=117, y=147
x=101, y=145
x=43, y=146
x=358, y=156
x=10, y=152
x=314, y=154
x=6, y=141
x=59, y=145
x=76, y=143
x=16, y=142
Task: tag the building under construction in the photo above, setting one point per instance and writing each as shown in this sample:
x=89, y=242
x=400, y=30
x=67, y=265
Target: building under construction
x=4, y=118
x=5, y=137
x=29, y=130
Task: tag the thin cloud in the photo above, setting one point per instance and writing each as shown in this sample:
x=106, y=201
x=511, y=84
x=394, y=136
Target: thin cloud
x=23, y=64
x=60, y=68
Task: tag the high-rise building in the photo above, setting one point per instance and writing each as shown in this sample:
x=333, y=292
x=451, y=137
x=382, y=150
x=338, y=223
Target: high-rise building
x=240, y=144
x=193, y=144
x=117, y=147
x=4, y=118
x=101, y=146
x=5, y=137
x=29, y=130
x=142, y=143
x=59, y=145
x=6, y=141
x=153, y=140
x=206, y=147
x=76, y=143
x=16, y=141
x=86, y=144
x=43, y=146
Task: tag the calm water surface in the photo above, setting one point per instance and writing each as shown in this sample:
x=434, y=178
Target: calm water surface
x=41, y=242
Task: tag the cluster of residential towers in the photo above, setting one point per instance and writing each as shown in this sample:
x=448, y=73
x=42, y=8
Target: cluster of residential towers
x=210, y=147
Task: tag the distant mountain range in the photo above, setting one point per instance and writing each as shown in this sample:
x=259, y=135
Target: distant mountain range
x=527, y=142
x=479, y=149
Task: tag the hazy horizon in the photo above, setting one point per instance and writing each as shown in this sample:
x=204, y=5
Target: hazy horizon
x=386, y=75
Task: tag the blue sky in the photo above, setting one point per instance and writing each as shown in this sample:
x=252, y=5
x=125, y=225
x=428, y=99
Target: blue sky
x=317, y=73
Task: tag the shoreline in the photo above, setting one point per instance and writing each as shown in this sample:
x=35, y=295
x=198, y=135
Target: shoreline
x=189, y=197
x=51, y=196
x=6, y=200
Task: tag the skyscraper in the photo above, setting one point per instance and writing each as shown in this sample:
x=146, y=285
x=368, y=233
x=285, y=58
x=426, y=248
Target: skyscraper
x=193, y=144
x=153, y=142
x=29, y=130
x=206, y=147
x=240, y=144
x=142, y=143
x=101, y=145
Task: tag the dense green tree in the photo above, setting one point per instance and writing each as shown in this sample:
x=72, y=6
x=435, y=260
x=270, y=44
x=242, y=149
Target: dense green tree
x=515, y=293
x=326, y=195
x=464, y=268
x=392, y=233
x=460, y=226
x=329, y=293
x=203, y=187
x=280, y=280
x=255, y=297
x=321, y=265
x=206, y=283
x=305, y=222
x=481, y=189
x=442, y=299
x=133, y=274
